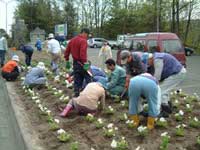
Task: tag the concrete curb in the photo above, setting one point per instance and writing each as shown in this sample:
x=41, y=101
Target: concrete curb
x=30, y=137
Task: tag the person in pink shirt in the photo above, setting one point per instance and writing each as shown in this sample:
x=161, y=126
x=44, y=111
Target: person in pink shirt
x=90, y=100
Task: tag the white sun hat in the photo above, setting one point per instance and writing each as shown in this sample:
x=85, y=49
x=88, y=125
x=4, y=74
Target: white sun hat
x=51, y=36
x=15, y=57
x=41, y=65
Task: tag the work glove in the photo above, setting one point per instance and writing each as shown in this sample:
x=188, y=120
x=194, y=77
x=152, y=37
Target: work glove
x=86, y=66
x=68, y=65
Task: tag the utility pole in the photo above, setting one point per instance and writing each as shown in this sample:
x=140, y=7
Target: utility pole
x=6, y=3
x=157, y=20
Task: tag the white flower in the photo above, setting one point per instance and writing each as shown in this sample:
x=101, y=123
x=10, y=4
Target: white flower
x=141, y=128
x=183, y=125
x=48, y=111
x=164, y=134
x=180, y=90
x=60, y=91
x=66, y=98
x=57, y=121
x=110, y=130
x=60, y=131
x=123, y=138
x=196, y=119
x=62, y=97
x=90, y=115
x=181, y=112
x=178, y=126
x=113, y=144
x=138, y=148
x=162, y=119
x=34, y=97
x=123, y=103
x=188, y=106
x=100, y=120
x=176, y=101
x=37, y=101
x=92, y=148
x=125, y=116
x=110, y=125
x=55, y=89
x=116, y=128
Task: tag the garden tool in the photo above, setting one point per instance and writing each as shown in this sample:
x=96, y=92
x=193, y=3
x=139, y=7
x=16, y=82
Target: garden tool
x=150, y=123
x=135, y=119
x=66, y=111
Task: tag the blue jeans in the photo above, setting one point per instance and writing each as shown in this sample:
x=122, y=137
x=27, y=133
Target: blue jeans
x=2, y=57
x=149, y=89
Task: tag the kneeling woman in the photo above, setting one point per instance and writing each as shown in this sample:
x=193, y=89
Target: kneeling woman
x=88, y=100
x=36, y=76
x=147, y=86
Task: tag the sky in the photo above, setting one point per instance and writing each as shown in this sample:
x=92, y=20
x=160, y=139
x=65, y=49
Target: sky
x=10, y=11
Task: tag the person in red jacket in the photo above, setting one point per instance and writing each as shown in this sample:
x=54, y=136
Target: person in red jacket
x=77, y=47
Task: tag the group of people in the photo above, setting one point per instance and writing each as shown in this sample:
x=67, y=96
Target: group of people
x=141, y=76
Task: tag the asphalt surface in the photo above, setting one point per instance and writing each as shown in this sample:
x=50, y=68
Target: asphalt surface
x=190, y=85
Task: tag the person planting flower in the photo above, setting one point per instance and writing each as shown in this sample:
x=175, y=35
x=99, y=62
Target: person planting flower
x=88, y=100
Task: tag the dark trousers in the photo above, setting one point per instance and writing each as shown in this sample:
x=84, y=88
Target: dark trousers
x=79, y=75
x=12, y=76
x=28, y=56
x=2, y=57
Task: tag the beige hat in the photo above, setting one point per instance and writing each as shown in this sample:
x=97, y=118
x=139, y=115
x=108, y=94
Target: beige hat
x=41, y=65
x=16, y=58
x=51, y=36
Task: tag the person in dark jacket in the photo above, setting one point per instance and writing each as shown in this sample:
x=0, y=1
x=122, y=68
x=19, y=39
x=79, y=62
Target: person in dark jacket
x=38, y=45
x=28, y=52
x=10, y=71
x=77, y=47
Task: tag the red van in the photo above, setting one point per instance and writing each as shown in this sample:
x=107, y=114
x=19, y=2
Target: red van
x=157, y=42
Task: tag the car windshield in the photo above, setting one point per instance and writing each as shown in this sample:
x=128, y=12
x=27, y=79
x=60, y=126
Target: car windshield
x=170, y=46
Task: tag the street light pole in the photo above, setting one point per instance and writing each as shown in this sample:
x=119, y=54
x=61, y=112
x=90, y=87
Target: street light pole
x=6, y=3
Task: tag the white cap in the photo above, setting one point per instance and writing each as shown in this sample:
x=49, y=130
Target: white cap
x=15, y=57
x=51, y=35
x=41, y=65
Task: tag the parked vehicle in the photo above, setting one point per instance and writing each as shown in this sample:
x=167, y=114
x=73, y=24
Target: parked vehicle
x=96, y=42
x=112, y=43
x=121, y=38
x=157, y=42
x=188, y=51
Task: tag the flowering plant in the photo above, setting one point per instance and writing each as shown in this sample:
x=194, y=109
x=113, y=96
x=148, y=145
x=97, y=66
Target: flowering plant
x=188, y=108
x=180, y=130
x=54, y=125
x=109, y=110
x=99, y=123
x=165, y=141
x=130, y=123
x=142, y=130
x=161, y=122
x=63, y=136
x=122, y=144
x=109, y=131
x=123, y=117
x=179, y=115
x=124, y=103
x=198, y=140
x=90, y=117
x=195, y=123
x=74, y=146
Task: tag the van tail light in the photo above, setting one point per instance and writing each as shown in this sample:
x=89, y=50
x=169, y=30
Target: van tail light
x=158, y=48
x=145, y=48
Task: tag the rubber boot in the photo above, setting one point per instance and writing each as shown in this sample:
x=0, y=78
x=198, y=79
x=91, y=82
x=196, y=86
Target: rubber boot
x=150, y=123
x=66, y=111
x=135, y=119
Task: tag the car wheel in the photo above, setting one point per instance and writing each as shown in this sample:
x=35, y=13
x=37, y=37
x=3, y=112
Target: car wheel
x=95, y=46
x=188, y=53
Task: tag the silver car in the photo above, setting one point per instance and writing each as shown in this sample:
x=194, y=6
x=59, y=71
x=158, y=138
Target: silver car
x=96, y=42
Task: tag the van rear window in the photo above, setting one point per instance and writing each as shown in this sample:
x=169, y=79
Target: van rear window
x=171, y=46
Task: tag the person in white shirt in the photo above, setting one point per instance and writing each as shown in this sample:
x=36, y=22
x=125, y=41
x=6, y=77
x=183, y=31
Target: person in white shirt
x=3, y=49
x=104, y=54
x=55, y=51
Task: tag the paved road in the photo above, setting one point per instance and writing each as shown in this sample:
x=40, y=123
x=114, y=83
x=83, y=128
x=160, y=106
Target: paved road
x=190, y=85
x=10, y=136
